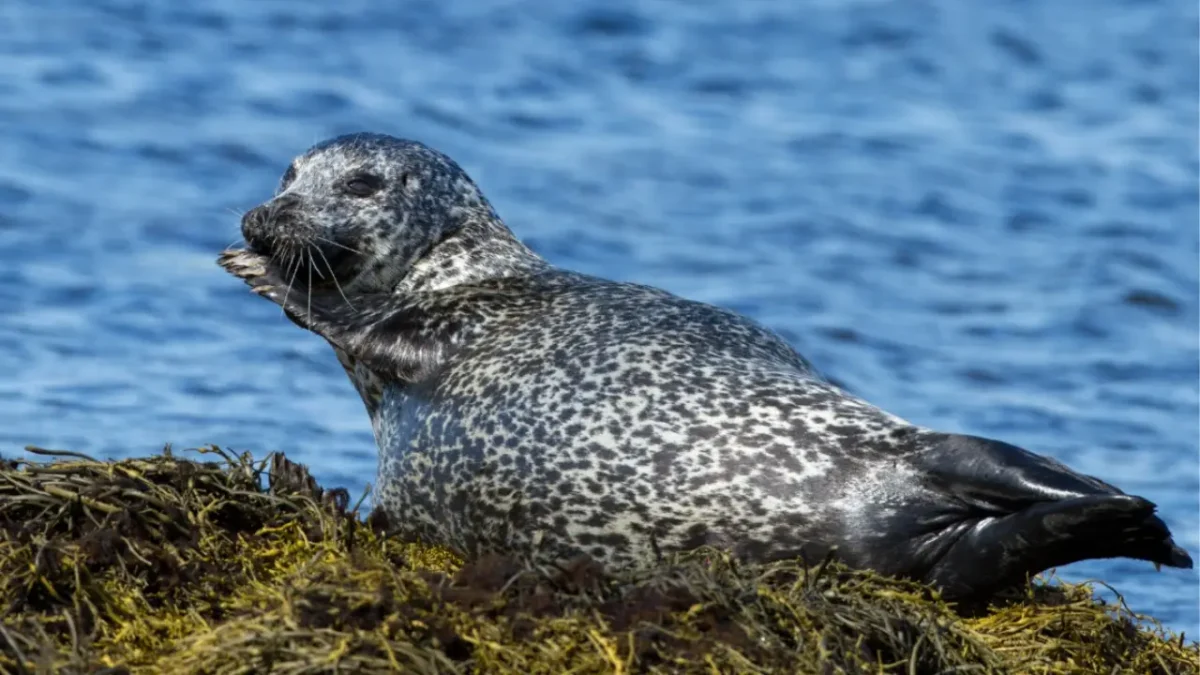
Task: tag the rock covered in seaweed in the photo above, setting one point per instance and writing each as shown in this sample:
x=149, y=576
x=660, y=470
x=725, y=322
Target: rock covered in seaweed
x=170, y=565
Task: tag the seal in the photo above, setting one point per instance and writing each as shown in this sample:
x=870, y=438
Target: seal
x=526, y=409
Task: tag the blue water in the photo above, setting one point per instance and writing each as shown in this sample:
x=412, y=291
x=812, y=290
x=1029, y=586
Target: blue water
x=981, y=216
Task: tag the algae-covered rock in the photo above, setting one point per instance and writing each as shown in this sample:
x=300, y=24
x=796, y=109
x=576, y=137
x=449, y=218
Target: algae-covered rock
x=173, y=565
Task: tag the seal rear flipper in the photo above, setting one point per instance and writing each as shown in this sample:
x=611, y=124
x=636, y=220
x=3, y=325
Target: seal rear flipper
x=997, y=477
x=986, y=555
x=1012, y=513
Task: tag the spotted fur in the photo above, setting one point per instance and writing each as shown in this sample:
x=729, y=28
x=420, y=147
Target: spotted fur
x=519, y=407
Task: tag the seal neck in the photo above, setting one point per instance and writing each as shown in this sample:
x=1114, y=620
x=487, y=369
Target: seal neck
x=481, y=248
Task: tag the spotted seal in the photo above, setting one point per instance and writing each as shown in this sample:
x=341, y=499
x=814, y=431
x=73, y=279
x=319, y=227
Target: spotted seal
x=523, y=408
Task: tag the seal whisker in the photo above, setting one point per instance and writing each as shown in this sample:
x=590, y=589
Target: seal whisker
x=333, y=275
x=331, y=242
x=308, y=249
x=288, y=292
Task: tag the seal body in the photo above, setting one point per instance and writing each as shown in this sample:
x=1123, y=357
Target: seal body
x=585, y=416
x=526, y=409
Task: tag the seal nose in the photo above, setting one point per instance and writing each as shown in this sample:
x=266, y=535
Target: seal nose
x=260, y=225
x=254, y=218
x=254, y=224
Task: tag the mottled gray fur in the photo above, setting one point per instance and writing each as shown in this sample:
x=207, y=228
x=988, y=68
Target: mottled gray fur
x=523, y=408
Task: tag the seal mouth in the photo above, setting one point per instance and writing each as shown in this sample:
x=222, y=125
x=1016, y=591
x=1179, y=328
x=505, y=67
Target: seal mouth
x=296, y=250
x=309, y=263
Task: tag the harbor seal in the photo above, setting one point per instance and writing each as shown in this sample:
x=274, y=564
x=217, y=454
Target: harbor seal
x=523, y=408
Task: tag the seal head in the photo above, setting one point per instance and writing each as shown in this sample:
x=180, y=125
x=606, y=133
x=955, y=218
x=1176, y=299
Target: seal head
x=356, y=213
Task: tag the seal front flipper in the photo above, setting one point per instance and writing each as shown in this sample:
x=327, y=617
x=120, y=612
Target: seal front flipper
x=1020, y=514
x=304, y=307
x=395, y=336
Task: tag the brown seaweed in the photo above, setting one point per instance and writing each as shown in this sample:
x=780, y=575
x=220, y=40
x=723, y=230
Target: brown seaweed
x=234, y=565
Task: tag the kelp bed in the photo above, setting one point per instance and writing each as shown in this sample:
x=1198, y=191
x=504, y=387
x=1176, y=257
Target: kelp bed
x=174, y=565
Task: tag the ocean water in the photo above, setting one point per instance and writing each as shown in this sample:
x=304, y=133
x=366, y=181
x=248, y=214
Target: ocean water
x=980, y=216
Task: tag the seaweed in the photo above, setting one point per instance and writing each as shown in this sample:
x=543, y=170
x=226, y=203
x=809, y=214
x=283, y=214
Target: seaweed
x=220, y=563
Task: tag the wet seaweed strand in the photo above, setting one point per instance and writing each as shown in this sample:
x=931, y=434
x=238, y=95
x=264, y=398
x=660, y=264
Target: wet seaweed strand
x=225, y=564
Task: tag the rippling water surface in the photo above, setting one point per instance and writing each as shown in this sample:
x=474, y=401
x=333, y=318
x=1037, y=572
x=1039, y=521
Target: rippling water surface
x=980, y=216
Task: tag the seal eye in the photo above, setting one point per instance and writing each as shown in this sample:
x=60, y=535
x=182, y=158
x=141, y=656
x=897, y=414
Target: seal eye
x=363, y=185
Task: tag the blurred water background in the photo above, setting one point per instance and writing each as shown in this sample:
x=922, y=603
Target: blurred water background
x=981, y=216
